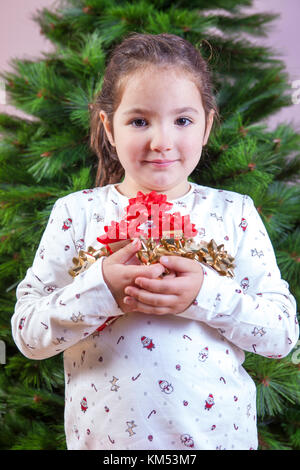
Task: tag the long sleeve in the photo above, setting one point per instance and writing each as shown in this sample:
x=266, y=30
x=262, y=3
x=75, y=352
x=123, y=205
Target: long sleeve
x=53, y=310
x=255, y=310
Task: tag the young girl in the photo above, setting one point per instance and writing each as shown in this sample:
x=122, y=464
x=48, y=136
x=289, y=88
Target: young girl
x=167, y=374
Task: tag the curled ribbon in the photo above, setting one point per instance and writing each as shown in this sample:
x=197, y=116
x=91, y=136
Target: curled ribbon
x=208, y=253
x=151, y=209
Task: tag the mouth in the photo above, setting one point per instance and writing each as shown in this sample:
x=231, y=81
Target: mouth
x=161, y=163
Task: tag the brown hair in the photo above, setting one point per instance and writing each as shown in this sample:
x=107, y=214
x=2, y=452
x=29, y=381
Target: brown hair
x=136, y=52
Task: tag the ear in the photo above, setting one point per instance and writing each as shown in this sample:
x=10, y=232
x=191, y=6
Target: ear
x=107, y=127
x=210, y=121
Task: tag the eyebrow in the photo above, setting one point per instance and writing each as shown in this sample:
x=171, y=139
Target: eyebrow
x=174, y=111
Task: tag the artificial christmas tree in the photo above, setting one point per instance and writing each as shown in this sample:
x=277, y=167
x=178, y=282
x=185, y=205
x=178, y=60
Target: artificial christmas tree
x=49, y=157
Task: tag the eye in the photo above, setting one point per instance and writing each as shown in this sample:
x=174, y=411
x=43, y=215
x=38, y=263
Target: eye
x=183, y=122
x=183, y=119
x=137, y=121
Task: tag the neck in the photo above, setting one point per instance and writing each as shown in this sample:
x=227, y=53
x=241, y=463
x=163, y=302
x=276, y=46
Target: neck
x=173, y=193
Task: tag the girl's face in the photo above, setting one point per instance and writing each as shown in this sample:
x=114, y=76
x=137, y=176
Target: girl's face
x=158, y=132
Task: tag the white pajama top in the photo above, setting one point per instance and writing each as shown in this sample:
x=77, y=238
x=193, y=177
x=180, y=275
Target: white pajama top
x=158, y=382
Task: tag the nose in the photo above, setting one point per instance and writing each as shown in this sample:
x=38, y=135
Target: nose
x=161, y=140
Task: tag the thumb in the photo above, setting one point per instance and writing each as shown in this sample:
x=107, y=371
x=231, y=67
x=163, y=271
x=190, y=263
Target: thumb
x=179, y=263
x=125, y=253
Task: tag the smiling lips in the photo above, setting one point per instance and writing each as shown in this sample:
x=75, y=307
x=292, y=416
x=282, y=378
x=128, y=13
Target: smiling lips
x=162, y=163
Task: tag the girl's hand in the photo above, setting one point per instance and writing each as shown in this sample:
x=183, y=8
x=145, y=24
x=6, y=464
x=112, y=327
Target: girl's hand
x=121, y=268
x=168, y=295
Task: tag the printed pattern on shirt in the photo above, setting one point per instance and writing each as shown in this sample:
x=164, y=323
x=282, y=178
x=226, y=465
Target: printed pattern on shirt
x=156, y=382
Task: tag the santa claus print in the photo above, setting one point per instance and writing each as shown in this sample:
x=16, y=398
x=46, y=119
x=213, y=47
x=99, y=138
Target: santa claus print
x=147, y=343
x=21, y=323
x=243, y=224
x=84, y=405
x=67, y=224
x=209, y=402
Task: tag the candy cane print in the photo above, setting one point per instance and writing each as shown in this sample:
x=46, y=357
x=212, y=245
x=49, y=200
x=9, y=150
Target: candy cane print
x=134, y=378
x=152, y=412
x=121, y=337
x=186, y=336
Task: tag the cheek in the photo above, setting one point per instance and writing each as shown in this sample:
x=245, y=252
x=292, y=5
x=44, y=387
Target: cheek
x=128, y=149
x=129, y=143
x=191, y=148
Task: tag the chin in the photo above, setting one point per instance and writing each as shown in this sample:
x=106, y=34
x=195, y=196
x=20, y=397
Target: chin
x=160, y=187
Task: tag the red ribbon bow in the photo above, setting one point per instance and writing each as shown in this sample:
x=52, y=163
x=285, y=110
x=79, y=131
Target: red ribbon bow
x=151, y=211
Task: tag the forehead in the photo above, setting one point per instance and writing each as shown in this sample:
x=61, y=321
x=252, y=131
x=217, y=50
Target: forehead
x=160, y=85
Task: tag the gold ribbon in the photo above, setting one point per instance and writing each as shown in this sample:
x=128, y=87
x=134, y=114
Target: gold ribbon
x=208, y=253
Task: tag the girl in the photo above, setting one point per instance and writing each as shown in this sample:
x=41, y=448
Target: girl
x=168, y=373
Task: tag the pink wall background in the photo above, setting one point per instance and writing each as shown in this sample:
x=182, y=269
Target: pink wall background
x=20, y=37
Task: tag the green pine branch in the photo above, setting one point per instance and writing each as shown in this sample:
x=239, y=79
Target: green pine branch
x=48, y=156
x=277, y=383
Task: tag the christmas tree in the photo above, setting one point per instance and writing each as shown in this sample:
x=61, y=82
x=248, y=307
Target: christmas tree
x=49, y=157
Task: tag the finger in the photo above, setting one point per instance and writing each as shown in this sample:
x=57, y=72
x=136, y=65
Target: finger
x=125, y=254
x=150, y=298
x=152, y=271
x=134, y=260
x=140, y=307
x=167, y=285
x=180, y=264
x=171, y=275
